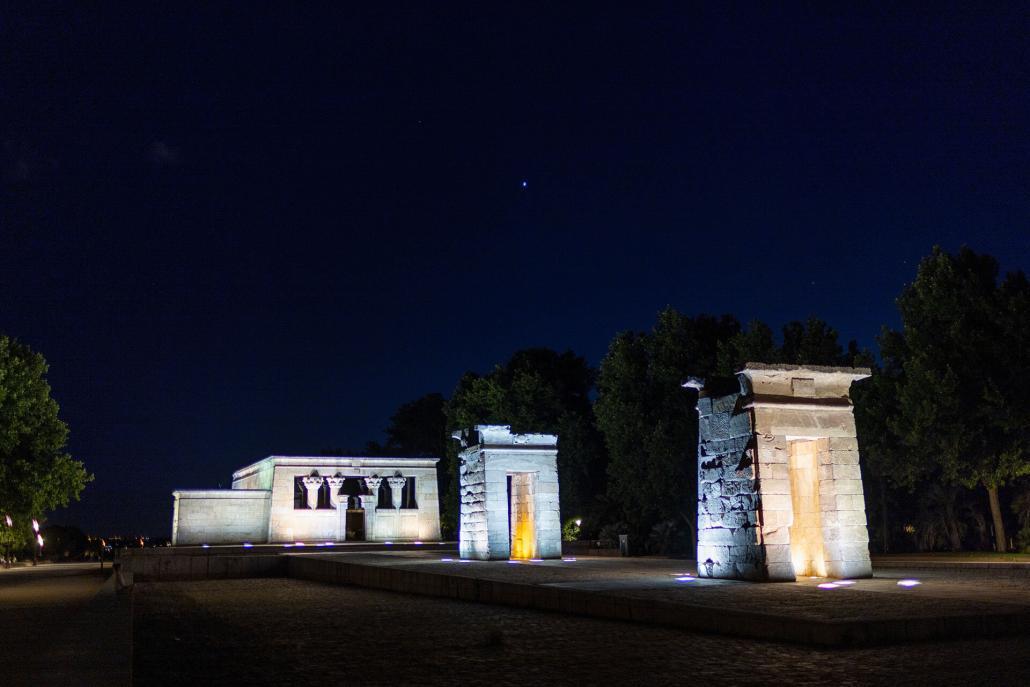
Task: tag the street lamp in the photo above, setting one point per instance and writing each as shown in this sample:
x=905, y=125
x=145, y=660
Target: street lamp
x=39, y=541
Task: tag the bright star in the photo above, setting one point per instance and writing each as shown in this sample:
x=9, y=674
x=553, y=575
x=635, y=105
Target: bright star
x=525, y=183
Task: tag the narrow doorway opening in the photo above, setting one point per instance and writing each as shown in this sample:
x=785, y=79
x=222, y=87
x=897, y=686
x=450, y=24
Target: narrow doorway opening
x=806, y=532
x=521, y=515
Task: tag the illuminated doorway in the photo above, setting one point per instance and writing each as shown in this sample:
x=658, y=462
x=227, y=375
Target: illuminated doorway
x=806, y=532
x=521, y=514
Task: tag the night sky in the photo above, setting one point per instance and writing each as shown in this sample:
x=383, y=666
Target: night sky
x=244, y=231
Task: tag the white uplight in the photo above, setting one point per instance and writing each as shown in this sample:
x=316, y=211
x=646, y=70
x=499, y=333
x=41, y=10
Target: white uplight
x=298, y=543
x=247, y=545
x=828, y=585
x=447, y=560
x=205, y=546
x=844, y=583
x=568, y=560
x=685, y=578
x=909, y=583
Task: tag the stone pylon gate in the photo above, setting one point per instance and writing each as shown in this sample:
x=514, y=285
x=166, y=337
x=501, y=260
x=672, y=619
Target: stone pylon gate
x=779, y=485
x=508, y=486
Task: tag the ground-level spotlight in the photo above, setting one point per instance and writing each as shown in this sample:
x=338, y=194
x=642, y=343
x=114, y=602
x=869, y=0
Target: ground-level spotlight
x=828, y=585
x=247, y=545
x=685, y=578
x=909, y=583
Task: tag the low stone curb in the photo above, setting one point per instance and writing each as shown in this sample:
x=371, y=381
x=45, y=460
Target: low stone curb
x=748, y=624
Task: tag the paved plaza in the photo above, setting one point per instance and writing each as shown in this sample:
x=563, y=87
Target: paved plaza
x=265, y=631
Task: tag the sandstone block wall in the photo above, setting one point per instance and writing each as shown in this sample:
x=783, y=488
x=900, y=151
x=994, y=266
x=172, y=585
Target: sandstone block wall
x=223, y=516
x=492, y=453
x=747, y=507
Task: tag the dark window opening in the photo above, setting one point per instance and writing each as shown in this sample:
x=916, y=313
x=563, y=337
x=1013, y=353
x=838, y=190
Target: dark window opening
x=323, y=497
x=408, y=495
x=300, y=494
x=385, y=499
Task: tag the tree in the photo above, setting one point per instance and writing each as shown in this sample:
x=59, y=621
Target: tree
x=536, y=390
x=963, y=354
x=813, y=342
x=36, y=475
x=649, y=421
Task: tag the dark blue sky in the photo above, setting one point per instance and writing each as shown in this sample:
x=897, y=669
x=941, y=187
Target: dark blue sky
x=242, y=231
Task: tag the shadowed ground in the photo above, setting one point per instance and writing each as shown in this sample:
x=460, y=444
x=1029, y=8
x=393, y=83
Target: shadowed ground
x=275, y=631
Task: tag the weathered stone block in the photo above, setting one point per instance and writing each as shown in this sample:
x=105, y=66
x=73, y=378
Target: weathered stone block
x=848, y=486
x=775, y=486
x=847, y=472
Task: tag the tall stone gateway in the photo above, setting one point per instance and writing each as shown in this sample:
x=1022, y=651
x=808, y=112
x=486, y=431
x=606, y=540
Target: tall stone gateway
x=779, y=486
x=508, y=485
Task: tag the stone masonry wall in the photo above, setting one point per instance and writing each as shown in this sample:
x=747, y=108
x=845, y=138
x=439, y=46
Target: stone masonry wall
x=228, y=516
x=473, y=538
x=727, y=515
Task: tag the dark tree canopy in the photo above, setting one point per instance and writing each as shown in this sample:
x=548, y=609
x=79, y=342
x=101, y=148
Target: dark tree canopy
x=36, y=475
x=952, y=395
x=538, y=390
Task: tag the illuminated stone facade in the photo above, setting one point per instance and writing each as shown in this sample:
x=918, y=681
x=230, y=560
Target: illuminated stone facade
x=508, y=486
x=779, y=485
x=294, y=498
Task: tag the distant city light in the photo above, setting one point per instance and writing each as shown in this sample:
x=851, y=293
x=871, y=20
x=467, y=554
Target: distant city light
x=908, y=583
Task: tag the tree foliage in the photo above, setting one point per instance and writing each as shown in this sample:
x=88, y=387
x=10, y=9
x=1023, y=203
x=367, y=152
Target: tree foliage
x=650, y=422
x=36, y=474
x=958, y=373
x=537, y=390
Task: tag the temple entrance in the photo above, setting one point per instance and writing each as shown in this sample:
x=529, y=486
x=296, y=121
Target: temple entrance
x=356, y=524
x=806, y=532
x=521, y=514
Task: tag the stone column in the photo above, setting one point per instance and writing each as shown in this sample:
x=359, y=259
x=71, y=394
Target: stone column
x=396, y=485
x=369, y=502
x=334, y=488
x=312, y=484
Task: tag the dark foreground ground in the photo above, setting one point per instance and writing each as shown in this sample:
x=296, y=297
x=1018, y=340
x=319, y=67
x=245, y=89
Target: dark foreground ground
x=283, y=631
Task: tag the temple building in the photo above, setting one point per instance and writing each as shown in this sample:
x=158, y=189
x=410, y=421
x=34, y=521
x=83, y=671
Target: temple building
x=314, y=499
x=508, y=485
x=779, y=485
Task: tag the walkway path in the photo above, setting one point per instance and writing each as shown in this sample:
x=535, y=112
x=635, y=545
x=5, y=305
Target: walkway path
x=63, y=625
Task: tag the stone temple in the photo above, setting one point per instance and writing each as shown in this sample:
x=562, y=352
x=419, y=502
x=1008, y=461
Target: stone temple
x=779, y=486
x=509, y=494
x=294, y=498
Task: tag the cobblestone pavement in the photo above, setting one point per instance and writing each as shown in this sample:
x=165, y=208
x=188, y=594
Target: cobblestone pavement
x=275, y=631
